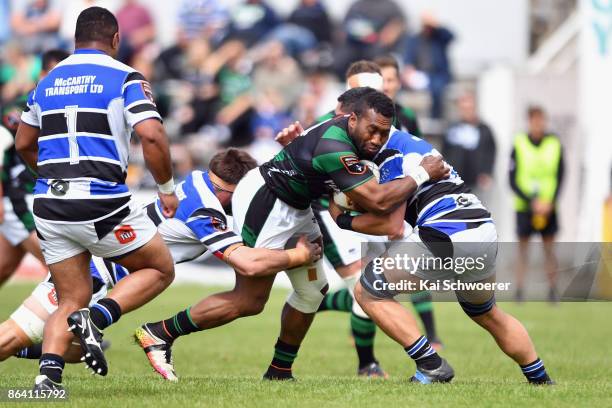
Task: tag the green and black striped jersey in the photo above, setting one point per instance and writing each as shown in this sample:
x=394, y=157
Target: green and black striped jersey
x=17, y=179
x=324, y=158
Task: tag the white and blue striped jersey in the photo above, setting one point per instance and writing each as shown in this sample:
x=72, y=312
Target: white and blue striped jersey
x=201, y=212
x=86, y=108
x=446, y=205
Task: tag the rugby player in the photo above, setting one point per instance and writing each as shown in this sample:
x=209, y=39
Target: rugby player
x=344, y=254
x=200, y=225
x=17, y=231
x=272, y=204
x=447, y=221
x=75, y=134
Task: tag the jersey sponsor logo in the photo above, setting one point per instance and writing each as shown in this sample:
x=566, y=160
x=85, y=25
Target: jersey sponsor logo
x=353, y=165
x=218, y=223
x=125, y=234
x=52, y=296
x=59, y=188
x=148, y=92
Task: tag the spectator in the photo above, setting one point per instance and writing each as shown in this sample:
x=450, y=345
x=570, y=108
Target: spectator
x=427, y=63
x=405, y=118
x=70, y=11
x=19, y=73
x=536, y=173
x=203, y=18
x=5, y=21
x=469, y=145
x=36, y=23
x=136, y=29
x=252, y=20
x=372, y=28
x=311, y=15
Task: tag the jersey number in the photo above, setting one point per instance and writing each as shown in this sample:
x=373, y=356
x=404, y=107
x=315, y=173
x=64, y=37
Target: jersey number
x=71, y=124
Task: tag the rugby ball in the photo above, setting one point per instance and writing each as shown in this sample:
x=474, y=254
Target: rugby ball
x=342, y=199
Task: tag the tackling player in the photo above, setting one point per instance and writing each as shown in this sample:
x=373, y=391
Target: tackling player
x=200, y=225
x=272, y=204
x=448, y=221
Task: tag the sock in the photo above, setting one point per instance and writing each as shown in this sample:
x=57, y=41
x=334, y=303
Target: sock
x=33, y=352
x=284, y=355
x=178, y=325
x=423, y=306
x=104, y=313
x=364, y=331
x=535, y=371
x=52, y=366
x=340, y=300
x=423, y=354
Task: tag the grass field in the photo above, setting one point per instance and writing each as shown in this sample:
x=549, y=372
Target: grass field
x=223, y=367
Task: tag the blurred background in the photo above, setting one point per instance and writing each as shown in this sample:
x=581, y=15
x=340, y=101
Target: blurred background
x=235, y=72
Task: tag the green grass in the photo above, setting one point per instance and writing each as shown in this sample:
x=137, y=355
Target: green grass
x=223, y=367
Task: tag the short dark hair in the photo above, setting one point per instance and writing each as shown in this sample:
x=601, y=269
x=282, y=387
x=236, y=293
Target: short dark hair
x=95, y=24
x=377, y=101
x=349, y=98
x=231, y=165
x=52, y=57
x=534, y=110
x=361, y=66
x=387, y=61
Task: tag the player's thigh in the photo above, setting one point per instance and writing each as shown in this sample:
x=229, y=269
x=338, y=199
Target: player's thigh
x=32, y=314
x=154, y=254
x=72, y=279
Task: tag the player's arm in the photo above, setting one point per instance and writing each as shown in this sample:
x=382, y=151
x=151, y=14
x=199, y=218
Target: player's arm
x=384, y=198
x=6, y=141
x=254, y=262
x=391, y=224
x=26, y=139
x=142, y=115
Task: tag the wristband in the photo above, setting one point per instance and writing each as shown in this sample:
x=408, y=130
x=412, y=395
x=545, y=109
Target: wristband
x=297, y=257
x=167, y=187
x=419, y=175
x=345, y=221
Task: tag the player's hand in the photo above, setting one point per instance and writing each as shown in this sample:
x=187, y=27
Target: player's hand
x=435, y=167
x=313, y=248
x=288, y=134
x=169, y=203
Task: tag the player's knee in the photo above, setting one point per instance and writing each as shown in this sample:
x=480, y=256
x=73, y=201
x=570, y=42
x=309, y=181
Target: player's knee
x=307, y=298
x=478, y=311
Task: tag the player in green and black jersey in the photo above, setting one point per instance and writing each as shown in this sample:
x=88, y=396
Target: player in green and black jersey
x=17, y=231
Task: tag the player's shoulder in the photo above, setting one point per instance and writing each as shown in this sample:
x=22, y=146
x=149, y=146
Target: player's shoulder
x=198, y=192
x=405, y=143
x=333, y=135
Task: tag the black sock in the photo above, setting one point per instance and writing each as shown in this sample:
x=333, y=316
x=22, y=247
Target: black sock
x=104, y=313
x=284, y=355
x=52, y=366
x=340, y=300
x=178, y=325
x=423, y=306
x=535, y=372
x=423, y=354
x=33, y=352
x=364, y=331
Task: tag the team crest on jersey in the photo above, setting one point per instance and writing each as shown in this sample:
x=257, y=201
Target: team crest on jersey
x=353, y=165
x=218, y=224
x=52, y=296
x=146, y=89
x=59, y=188
x=125, y=234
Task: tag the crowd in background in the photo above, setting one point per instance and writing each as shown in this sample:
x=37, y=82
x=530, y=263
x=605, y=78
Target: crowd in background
x=235, y=76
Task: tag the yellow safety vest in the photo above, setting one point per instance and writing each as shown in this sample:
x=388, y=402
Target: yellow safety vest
x=536, y=168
